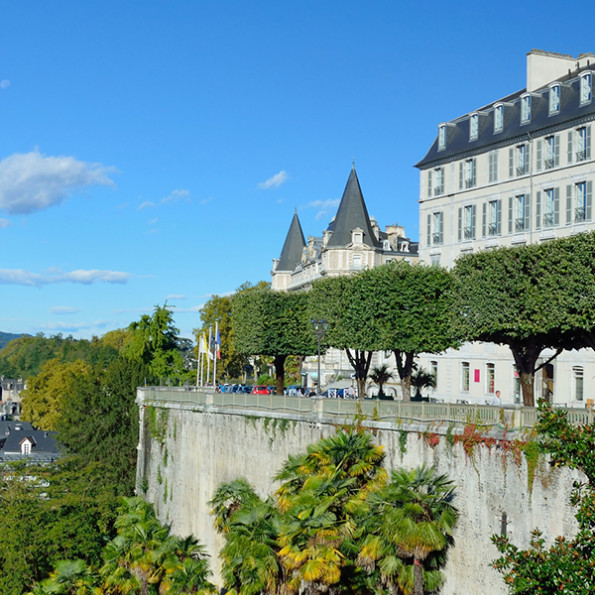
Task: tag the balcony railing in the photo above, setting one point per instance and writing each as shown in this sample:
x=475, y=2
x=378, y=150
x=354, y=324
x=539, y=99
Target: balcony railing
x=493, y=229
x=581, y=155
x=548, y=220
x=519, y=224
x=205, y=399
x=522, y=170
x=549, y=163
x=469, y=183
x=437, y=238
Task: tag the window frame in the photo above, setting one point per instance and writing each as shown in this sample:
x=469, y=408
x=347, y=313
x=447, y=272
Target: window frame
x=554, y=99
x=585, y=88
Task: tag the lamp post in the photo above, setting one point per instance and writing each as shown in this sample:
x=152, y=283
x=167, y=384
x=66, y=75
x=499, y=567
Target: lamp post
x=320, y=327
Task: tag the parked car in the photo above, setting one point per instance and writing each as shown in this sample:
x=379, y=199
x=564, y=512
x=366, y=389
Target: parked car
x=260, y=390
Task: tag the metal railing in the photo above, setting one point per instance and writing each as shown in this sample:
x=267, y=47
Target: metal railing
x=341, y=410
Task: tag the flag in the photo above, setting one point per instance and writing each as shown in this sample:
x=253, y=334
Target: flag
x=217, y=340
x=202, y=344
x=210, y=350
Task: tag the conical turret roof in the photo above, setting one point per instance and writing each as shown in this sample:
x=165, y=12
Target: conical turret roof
x=352, y=214
x=294, y=245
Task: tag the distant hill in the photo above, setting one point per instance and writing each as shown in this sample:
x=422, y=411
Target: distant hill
x=7, y=337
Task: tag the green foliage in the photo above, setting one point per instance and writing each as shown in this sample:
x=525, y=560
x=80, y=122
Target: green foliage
x=218, y=309
x=24, y=357
x=142, y=558
x=43, y=399
x=155, y=342
x=567, y=566
x=158, y=418
x=50, y=513
x=99, y=420
x=337, y=524
x=272, y=323
x=380, y=376
x=412, y=307
x=530, y=298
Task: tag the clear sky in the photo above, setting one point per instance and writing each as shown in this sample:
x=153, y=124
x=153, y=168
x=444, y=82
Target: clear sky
x=155, y=151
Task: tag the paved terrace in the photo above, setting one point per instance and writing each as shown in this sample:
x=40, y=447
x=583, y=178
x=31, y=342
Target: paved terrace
x=413, y=416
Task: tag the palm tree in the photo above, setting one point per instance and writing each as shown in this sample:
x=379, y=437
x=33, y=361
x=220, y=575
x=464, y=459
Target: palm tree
x=321, y=496
x=250, y=526
x=409, y=529
x=422, y=379
x=380, y=376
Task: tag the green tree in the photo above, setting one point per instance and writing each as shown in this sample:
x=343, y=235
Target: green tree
x=422, y=379
x=332, y=525
x=380, y=376
x=250, y=525
x=99, y=421
x=142, y=558
x=49, y=513
x=155, y=342
x=567, y=566
x=43, y=399
x=530, y=298
x=272, y=323
x=217, y=310
x=345, y=302
x=412, y=306
x=408, y=530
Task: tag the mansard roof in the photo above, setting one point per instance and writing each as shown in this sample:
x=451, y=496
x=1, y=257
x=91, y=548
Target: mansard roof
x=352, y=214
x=294, y=245
x=458, y=144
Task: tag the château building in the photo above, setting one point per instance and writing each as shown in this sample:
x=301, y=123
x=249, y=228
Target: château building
x=353, y=241
x=518, y=170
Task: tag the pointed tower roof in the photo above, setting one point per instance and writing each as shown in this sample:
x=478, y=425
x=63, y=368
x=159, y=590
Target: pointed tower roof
x=294, y=245
x=352, y=214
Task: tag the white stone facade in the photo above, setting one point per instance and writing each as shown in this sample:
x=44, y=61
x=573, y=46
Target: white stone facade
x=517, y=171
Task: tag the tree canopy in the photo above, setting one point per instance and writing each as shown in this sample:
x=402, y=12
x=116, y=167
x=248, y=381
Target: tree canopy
x=412, y=306
x=530, y=298
x=272, y=323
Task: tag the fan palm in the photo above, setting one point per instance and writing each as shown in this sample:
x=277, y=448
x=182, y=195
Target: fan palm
x=422, y=379
x=409, y=529
x=380, y=376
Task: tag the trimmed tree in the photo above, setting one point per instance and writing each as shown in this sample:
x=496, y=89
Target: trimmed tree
x=412, y=306
x=346, y=303
x=531, y=298
x=273, y=323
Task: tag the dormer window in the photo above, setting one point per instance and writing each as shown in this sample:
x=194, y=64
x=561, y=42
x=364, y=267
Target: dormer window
x=586, y=88
x=498, y=118
x=473, y=126
x=385, y=245
x=525, y=109
x=554, y=99
x=441, y=137
x=357, y=236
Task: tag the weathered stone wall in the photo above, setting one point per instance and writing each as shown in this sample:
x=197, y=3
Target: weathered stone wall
x=186, y=452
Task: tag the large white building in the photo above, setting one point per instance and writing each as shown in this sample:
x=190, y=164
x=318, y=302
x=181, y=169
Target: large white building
x=518, y=170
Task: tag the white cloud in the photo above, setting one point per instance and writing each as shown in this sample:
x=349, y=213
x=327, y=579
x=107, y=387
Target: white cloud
x=324, y=207
x=4, y=84
x=205, y=201
x=147, y=204
x=53, y=276
x=4, y=223
x=73, y=328
x=176, y=196
x=31, y=182
x=60, y=310
x=274, y=181
x=153, y=221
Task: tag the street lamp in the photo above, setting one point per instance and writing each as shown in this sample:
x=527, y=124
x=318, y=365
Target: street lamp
x=320, y=327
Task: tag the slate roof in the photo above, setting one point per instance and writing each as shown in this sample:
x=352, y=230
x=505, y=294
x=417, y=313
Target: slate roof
x=294, y=245
x=352, y=213
x=12, y=434
x=459, y=146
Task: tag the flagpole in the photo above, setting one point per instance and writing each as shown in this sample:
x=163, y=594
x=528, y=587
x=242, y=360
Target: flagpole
x=208, y=354
x=215, y=355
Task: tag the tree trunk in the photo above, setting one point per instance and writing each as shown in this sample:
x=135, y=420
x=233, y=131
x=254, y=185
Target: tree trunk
x=404, y=367
x=528, y=388
x=360, y=361
x=280, y=373
x=525, y=358
x=418, y=578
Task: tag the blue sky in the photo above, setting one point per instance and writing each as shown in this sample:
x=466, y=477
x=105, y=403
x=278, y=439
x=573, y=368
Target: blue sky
x=155, y=151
